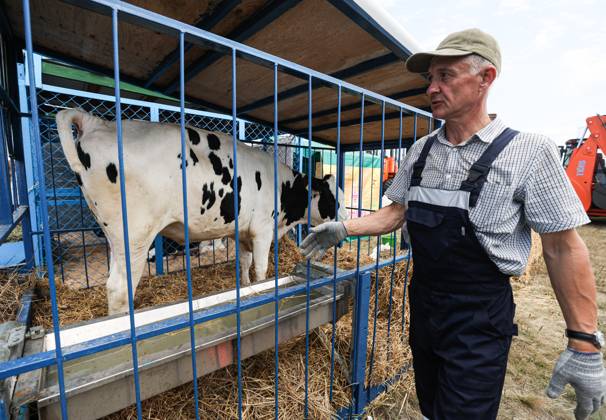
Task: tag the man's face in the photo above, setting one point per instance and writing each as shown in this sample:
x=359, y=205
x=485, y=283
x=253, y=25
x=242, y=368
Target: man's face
x=454, y=89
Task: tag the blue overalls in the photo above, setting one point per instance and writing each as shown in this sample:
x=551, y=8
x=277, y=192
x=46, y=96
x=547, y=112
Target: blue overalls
x=461, y=305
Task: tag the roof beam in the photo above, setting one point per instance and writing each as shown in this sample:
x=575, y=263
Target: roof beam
x=352, y=71
x=358, y=15
x=399, y=95
x=272, y=11
x=206, y=22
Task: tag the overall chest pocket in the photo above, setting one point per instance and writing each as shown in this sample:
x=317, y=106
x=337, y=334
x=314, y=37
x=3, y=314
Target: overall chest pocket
x=432, y=232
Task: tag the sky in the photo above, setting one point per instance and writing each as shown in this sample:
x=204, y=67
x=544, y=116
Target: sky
x=553, y=73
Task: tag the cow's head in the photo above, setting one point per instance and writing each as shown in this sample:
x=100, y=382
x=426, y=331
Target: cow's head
x=323, y=200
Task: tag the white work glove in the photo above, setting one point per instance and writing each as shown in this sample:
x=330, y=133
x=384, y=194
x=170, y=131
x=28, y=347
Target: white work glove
x=322, y=237
x=585, y=372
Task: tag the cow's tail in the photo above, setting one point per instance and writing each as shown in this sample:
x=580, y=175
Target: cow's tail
x=65, y=119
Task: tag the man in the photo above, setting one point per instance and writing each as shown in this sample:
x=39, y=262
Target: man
x=470, y=192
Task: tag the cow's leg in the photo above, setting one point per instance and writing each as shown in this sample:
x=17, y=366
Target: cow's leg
x=117, y=287
x=261, y=245
x=246, y=258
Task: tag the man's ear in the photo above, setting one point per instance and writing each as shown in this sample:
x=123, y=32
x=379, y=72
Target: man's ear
x=489, y=74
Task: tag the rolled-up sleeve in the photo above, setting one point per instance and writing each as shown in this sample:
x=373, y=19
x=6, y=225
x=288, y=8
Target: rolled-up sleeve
x=550, y=202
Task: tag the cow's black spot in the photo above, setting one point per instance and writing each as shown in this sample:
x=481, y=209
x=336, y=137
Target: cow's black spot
x=326, y=203
x=221, y=192
x=231, y=163
x=215, y=219
x=208, y=194
x=112, y=173
x=293, y=199
x=213, y=142
x=193, y=156
x=226, y=177
x=273, y=213
x=227, y=204
x=78, y=179
x=202, y=210
x=186, y=161
x=194, y=137
x=295, y=173
x=83, y=156
x=216, y=162
x=258, y=179
x=105, y=224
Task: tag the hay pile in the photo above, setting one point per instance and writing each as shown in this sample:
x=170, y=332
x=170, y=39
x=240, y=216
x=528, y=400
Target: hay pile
x=12, y=287
x=218, y=391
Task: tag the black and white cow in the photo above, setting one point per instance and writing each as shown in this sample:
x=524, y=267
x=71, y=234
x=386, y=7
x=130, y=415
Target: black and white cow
x=152, y=165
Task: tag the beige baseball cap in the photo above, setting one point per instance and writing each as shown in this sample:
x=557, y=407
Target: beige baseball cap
x=461, y=43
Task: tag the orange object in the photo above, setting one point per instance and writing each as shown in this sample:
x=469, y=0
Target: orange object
x=587, y=170
x=389, y=168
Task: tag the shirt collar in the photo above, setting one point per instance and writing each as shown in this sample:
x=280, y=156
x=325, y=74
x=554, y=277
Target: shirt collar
x=486, y=134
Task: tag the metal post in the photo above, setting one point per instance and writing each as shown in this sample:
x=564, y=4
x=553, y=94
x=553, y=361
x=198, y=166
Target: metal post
x=360, y=330
x=6, y=207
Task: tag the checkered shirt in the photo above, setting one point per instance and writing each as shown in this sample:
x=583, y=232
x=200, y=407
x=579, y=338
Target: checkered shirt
x=526, y=189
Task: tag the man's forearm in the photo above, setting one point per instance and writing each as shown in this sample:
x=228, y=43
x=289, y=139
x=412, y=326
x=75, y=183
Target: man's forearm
x=385, y=220
x=569, y=268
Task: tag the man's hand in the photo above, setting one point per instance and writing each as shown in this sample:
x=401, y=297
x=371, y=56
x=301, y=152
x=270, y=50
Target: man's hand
x=322, y=237
x=585, y=372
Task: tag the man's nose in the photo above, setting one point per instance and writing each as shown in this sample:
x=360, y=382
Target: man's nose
x=432, y=88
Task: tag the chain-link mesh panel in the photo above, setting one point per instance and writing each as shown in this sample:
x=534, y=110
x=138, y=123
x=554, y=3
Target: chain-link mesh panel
x=199, y=121
x=80, y=250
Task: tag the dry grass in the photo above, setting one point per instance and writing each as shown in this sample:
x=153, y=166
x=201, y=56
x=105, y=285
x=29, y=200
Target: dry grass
x=12, y=287
x=218, y=391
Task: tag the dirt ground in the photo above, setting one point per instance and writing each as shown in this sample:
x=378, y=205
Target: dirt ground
x=534, y=352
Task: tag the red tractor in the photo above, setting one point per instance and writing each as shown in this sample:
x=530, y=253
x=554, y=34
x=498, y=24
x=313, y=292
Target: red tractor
x=586, y=169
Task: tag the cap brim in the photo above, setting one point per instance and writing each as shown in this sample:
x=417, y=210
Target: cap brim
x=419, y=62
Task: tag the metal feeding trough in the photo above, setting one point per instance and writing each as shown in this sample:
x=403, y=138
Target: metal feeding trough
x=102, y=383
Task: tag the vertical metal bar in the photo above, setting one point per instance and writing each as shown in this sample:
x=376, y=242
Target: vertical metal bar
x=234, y=99
x=299, y=169
x=414, y=139
x=35, y=127
x=338, y=181
x=360, y=329
x=372, y=181
x=192, y=330
x=308, y=265
x=393, y=262
x=131, y=307
x=6, y=208
x=376, y=311
x=83, y=236
x=276, y=300
x=159, y=251
x=57, y=224
x=26, y=227
x=360, y=151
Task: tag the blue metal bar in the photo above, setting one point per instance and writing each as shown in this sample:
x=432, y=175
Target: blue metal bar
x=48, y=358
x=234, y=99
x=360, y=175
x=26, y=226
x=352, y=71
x=35, y=128
x=338, y=182
x=276, y=274
x=299, y=169
x=159, y=251
x=409, y=257
x=192, y=331
x=397, y=96
x=393, y=267
x=6, y=203
x=376, y=310
x=206, y=23
x=308, y=261
x=359, y=344
x=131, y=305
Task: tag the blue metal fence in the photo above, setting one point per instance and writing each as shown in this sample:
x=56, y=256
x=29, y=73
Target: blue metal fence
x=362, y=391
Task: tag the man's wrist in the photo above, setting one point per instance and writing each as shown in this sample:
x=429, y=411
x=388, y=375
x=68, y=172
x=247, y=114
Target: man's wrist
x=582, y=346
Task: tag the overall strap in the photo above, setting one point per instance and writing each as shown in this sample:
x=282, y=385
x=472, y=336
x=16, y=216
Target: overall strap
x=479, y=170
x=419, y=165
